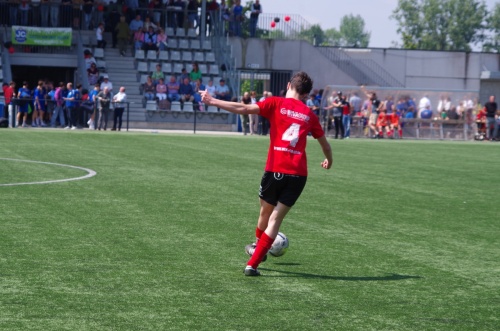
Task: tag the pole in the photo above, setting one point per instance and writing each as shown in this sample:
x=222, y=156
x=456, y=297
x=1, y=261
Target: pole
x=203, y=20
x=128, y=116
x=194, y=123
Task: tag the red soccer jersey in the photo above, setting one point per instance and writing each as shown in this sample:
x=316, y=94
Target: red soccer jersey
x=290, y=121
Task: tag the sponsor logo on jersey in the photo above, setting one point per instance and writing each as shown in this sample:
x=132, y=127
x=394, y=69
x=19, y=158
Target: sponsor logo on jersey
x=295, y=115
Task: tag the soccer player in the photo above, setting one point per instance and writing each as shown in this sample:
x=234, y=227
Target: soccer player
x=286, y=168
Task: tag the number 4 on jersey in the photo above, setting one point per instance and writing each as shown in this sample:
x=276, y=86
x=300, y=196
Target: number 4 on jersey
x=292, y=134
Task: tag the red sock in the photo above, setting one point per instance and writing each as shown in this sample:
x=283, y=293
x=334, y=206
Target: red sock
x=263, y=246
x=258, y=233
x=400, y=132
x=381, y=134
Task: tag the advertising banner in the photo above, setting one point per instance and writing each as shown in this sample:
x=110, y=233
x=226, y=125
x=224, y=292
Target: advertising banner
x=26, y=35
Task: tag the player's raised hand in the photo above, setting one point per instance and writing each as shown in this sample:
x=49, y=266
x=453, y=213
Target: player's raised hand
x=206, y=98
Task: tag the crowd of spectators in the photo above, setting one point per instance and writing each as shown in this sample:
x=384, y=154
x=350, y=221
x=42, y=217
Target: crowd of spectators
x=183, y=88
x=382, y=117
x=66, y=106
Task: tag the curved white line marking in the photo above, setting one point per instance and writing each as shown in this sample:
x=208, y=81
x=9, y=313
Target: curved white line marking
x=90, y=173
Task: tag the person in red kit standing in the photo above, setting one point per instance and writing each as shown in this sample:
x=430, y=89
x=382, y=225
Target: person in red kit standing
x=286, y=168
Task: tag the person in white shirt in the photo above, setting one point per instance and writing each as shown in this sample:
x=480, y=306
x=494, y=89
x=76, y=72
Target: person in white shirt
x=120, y=102
x=101, y=43
x=424, y=104
x=106, y=83
x=211, y=88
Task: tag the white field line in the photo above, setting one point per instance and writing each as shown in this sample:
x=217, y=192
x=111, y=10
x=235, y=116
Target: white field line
x=90, y=173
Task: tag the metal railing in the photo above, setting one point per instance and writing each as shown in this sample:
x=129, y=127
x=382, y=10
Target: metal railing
x=363, y=71
x=279, y=26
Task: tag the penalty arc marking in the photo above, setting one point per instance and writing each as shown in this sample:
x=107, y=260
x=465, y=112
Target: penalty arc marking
x=90, y=173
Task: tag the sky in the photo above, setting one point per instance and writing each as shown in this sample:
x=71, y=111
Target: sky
x=328, y=13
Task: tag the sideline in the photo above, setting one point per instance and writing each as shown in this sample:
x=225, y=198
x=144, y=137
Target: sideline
x=90, y=173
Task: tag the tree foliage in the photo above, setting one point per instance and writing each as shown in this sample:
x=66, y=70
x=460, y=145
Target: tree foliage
x=441, y=24
x=350, y=34
x=492, y=42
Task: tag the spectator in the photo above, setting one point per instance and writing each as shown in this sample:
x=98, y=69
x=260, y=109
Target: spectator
x=157, y=7
x=161, y=40
x=150, y=40
x=244, y=117
x=120, y=100
x=337, y=110
x=424, y=104
x=106, y=83
x=136, y=24
x=148, y=24
x=54, y=13
x=139, y=39
x=156, y=75
x=93, y=74
x=161, y=90
x=211, y=88
x=356, y=103
x=195, y=74
x=312, y=103
x=88, y=10
x=179, y=14
x=24, y=98
x=186, y=91
x=491, y=108
x=100, y=8
x=123, y=35
x=212, y=15
x=104, y=100
x=173, y=89
x=149, y=89
x=263, y=124
x=72, y=105
x=99, y=34
x=24, y=9
x=40, y=105
x=66, y=13
x=9, y=92
x=374, y=105
x=255, y=9
x=253, y=119
x=184, y=74
x=236, y=18
x=44, y=13
x=93, y=98
x=222, y=91
x=59, y=108
x=192, y=8
x=89, y=58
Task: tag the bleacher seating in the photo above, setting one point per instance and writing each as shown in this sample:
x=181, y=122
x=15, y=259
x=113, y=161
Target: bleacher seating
x=98, y=53
x=152, y=66
x=175, y=56
x=198, y=57
x=151, y=56
x=142, y=67
x=180, y=33
x=170, y=32
x=166, y=67
x=139, y=54
x=177, y=69
x=188, y=106
x=187, y=56
x=195, y=44
x=210, y=57
x=163, y=56
x=192, y=33
x=183, y=44
x=175, y=106
x=172, y=43
x=214, y=70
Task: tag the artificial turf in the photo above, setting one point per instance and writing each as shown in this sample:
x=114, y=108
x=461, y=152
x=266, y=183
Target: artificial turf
x=398, y=235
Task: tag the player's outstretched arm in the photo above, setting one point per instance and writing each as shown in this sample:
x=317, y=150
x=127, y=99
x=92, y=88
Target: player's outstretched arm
x=327, y=151
x=233, y=107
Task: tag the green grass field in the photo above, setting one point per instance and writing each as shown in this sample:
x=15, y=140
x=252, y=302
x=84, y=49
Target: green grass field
x=398, y=235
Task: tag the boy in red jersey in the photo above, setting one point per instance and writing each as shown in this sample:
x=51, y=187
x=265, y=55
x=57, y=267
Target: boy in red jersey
x=286, y=168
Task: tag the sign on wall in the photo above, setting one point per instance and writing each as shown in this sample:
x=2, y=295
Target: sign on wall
x=25, y=35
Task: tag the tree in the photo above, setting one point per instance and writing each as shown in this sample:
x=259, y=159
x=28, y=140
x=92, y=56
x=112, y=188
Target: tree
x=314, y=35
x=352, y=31
x=333, y=37
x=440, y=24
x=492, y=42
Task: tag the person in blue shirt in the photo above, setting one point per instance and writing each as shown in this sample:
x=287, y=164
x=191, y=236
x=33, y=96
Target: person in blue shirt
x=24, y=96
x=237, y=18
x=92, y=98
x=72, y=105
x=150, y=40
x=186, y=91
x=40, y=105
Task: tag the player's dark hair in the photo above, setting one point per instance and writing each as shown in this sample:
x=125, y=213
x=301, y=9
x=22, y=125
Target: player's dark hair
x=301, y=83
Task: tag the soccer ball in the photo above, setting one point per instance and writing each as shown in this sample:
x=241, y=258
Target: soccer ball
x=280, y=245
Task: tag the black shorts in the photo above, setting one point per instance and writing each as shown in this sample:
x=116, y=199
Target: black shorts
x=277, y=187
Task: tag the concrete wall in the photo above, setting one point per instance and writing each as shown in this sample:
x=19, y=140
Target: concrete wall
x=414, y=69
x=288, y=55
